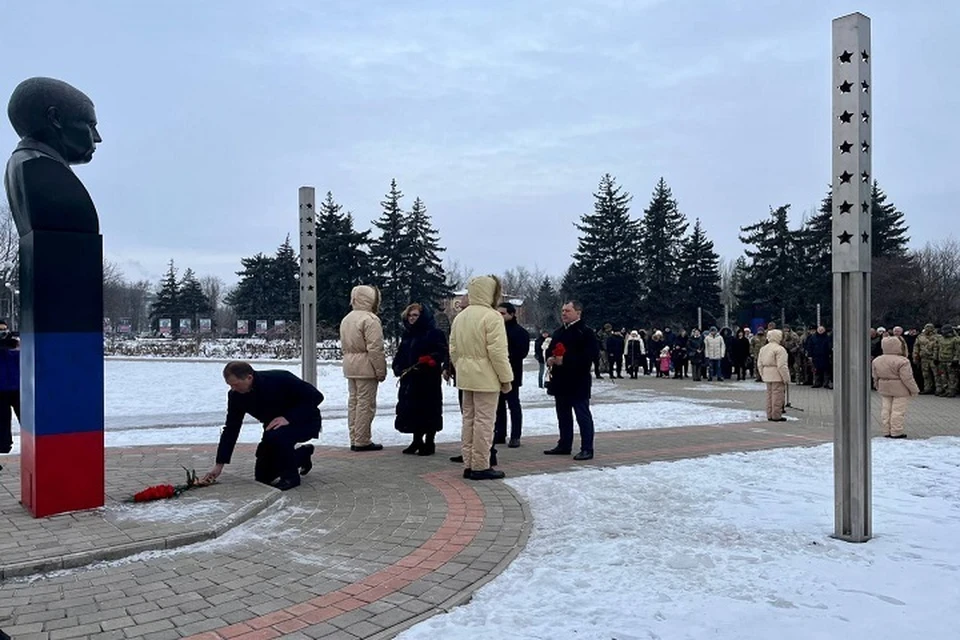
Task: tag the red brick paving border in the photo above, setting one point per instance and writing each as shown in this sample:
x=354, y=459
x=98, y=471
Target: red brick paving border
x=464, y=519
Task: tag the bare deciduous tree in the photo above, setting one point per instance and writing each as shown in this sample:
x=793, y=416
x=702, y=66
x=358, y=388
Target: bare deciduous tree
x=458, y=275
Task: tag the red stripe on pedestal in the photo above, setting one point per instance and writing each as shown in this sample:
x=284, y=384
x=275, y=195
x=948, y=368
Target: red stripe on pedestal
x=61, y=473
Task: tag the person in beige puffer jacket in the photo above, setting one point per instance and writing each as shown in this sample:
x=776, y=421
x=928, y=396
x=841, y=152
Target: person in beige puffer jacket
x=364, y=364
x=893, y=377
x=772, y=361
x=478, y=352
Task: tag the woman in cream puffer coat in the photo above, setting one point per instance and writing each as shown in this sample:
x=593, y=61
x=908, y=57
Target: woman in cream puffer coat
x=478, y=352
x=772, y=362
x=893, y=377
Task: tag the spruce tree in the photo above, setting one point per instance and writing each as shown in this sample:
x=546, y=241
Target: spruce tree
x=340, y=261
x=193, y=303
x=699, y=279
x=662, y=229
x=167, y=302
x=428, y=282
x=607, y=260
x=390, y=256
x=774, y=277
x=250, y=299
x=546, y=306
x=284, y=270
x=890, y=237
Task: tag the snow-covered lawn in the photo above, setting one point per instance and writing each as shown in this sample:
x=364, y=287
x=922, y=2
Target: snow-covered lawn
x=156, y=402
x=729, y=547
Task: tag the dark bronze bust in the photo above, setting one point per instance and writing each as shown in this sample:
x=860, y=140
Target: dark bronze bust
x=57, y=125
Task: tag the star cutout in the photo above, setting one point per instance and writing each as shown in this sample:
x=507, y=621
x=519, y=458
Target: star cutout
x=309, y=246
x=865, y=236
x=309, y=205
x=309, y=232
x=864, y=56
x=865, y=177
x=846, y=87
x=845, y=147
x=865, y=86
x=309, y=274
x=865, y=146
x=309, y=287
x=845, y=177
x=845, y=207
x=846, y=117
x=846, y=57
x=309, y=260
x=844, y=238
x=865, y=207
x=864, y=116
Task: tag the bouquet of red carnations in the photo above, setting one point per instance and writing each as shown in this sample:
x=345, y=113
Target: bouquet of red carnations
x=166, y=491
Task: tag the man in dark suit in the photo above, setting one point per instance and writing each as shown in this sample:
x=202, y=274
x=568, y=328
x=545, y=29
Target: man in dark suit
x=518, y=346
x=570, y=355
x=288, y=408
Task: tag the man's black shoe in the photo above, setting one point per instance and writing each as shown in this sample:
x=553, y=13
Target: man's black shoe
x=584, y=455
x=500, y=440
x=373, y=446
x=514, y=443
x=286, y=485
x=306, y=450
x=776, y=419
x=493, y=457
x=557, y=451
x=487, y=474
x=456, y=459
x=899, y=436
x=466, y=474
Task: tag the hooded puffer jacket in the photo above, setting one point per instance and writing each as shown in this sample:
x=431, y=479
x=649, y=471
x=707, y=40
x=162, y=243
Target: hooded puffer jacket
x=892, y=372
x=361, y=336
x=773, y=359
x=478, y=339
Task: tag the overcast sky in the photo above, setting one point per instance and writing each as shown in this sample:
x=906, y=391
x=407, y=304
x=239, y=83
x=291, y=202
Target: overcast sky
x=501, y=115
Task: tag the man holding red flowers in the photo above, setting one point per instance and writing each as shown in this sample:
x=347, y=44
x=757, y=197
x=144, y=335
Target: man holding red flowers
x=571, y=353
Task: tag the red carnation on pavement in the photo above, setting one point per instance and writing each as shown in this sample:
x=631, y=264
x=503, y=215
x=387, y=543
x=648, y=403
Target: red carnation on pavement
x=158, y=492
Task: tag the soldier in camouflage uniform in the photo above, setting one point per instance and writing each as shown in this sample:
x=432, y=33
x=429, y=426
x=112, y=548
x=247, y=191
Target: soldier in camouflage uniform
x=946, y=355
x=923, y=355
x=757, y=343
x=791, y=342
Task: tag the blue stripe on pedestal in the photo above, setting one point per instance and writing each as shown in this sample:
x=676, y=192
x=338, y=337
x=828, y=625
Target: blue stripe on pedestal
x=62, y=382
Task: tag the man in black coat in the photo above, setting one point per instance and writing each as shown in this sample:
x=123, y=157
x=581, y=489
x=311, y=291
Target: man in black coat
x=288, y=408
x=820, y=348
x=615, y=347
x=518, y=346
x=570, y=355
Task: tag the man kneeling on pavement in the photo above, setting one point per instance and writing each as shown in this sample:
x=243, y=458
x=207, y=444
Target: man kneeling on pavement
x=288, y=408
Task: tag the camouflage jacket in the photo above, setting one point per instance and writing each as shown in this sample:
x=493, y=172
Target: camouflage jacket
x=926, y=346
x=947, y=348
x=756, y=343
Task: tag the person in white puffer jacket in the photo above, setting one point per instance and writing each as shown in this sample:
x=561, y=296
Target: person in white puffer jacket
x=714, y=350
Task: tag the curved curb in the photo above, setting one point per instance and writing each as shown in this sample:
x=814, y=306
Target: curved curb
x=116, y=552
x=466, y=594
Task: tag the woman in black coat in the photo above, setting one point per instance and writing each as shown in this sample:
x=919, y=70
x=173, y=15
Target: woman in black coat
x=419, y=362
x=739, y=353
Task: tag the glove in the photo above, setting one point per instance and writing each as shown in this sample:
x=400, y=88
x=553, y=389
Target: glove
x=506, y=387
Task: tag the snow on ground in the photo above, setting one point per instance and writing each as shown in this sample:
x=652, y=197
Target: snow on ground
x=729, y=547
x=161, y=402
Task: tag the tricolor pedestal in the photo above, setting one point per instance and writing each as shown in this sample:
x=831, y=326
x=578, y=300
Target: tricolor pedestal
x=61, y=388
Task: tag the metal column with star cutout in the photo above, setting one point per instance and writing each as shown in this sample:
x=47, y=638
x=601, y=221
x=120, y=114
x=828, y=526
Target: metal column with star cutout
x=308, y=285
x=852, y=177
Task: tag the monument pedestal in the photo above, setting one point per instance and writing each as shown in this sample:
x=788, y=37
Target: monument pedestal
x=61, y=364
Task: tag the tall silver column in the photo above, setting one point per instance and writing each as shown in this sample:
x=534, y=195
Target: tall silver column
x=308, y=285
x=852, y=177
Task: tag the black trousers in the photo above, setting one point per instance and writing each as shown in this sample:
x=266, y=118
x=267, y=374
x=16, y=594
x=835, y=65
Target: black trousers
x=277, y=456
x=566, y=409
x=509, y=401
x=8, y=400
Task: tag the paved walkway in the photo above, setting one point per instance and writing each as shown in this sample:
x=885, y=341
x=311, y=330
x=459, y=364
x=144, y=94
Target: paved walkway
x=371, y=544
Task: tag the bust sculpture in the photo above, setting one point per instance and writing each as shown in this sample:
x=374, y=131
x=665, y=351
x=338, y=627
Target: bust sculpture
x=61, y=298
x=57, y=124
